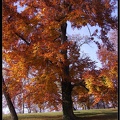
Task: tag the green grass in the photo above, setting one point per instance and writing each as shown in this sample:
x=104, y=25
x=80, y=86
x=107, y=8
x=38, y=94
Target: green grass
x=94, y=114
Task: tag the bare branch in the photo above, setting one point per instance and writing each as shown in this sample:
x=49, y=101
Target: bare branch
x=20, y=36
x=89, y=30
x=80, y=84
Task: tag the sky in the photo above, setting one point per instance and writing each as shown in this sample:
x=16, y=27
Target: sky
x=91, y=49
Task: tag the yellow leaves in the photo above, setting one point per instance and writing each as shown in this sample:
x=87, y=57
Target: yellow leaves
x=18, y=70
x=89, y=84
x=18, y=80
x=97, y=85
x=108, y=82
x=16, y=63
x=35, y=48
x=98, y=89
x=43, y=9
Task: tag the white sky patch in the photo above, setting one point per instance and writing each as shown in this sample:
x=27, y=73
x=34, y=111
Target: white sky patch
x=19, y=8
x=90, y=49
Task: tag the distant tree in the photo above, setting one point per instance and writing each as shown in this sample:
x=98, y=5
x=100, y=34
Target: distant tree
x=103, y=83
x=109, y=61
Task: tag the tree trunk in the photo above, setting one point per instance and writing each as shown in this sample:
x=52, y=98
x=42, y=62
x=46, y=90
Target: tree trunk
x=66, y=84
x=67, y=101
x=9, y=102
x=103, y=104
x=98, y=106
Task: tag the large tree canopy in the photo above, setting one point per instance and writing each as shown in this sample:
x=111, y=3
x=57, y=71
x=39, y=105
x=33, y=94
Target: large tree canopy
x=37, y=50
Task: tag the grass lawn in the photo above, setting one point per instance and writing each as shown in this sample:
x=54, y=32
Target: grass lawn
x=93, y=114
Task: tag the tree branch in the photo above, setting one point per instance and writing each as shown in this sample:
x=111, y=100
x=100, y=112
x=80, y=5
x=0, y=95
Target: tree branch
x=89, y=30
x=20, y=36
x=80, y=84
x=56, y=38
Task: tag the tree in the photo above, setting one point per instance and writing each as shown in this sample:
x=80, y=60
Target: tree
x=9, y=102
x=109, y=60
x=103, y=83
x=36, y=40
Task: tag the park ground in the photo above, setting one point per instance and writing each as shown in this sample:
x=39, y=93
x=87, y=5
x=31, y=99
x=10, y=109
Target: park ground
x=93, y=114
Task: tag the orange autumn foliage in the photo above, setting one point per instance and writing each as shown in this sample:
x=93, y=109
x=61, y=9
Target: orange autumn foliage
x=32, y=44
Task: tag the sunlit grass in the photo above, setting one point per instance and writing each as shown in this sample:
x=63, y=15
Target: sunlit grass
x=93, y=114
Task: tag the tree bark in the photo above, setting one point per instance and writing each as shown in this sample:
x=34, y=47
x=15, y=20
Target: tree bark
x=67, y=103
x=66, y=84
x=9, y=102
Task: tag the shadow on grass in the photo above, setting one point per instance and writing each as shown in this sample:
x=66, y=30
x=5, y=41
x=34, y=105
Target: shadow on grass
x=35, y=117
x=101, y=117
x=94, y=114
x=97, y=116
x=57, y=117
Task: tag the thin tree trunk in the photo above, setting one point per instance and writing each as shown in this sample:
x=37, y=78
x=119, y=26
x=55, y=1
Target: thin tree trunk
x=23, y=106
x=98, y=106
x=9, y=102
x=66, y=84
x=103, y=104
